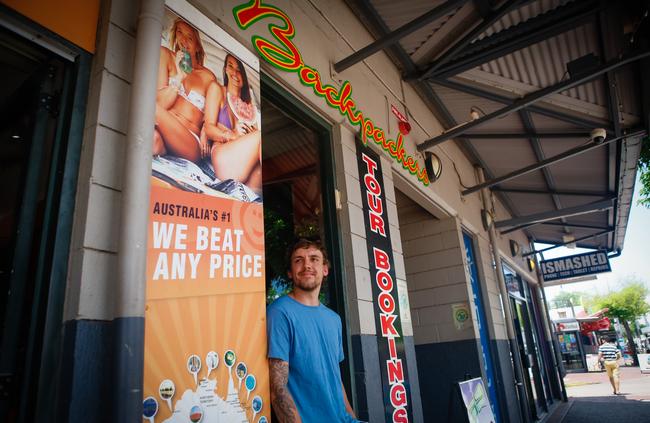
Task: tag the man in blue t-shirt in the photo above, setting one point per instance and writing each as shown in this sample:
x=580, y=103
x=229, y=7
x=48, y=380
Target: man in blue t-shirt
x=305, y=346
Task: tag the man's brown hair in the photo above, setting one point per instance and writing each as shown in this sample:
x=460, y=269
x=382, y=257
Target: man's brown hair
x=306, y=243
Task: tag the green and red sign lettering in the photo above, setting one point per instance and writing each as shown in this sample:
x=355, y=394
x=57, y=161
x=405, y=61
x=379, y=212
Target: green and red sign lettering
x=284, y=55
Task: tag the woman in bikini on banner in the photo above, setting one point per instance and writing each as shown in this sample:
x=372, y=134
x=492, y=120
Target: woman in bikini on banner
x=231, y=123
x=183, y=82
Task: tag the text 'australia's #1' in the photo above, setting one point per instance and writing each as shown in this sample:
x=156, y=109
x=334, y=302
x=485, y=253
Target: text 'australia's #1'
x=286, y=56
x=390, y=343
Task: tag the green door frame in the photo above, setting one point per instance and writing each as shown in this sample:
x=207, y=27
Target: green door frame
x=51, y=356
x=296, y=110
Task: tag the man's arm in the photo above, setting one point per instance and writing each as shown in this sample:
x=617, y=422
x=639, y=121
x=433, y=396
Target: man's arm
x=281, y=399
x=348, y=407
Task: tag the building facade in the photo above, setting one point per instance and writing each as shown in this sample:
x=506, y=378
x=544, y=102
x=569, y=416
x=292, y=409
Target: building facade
x=339, y=161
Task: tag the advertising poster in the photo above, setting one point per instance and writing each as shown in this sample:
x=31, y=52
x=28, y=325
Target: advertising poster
x=387, y=304
x=476, y=401
x=205, y=330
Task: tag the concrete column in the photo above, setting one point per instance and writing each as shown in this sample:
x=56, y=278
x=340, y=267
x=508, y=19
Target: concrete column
x=132, y=248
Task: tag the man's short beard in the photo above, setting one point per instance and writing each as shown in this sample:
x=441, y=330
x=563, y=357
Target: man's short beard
x=309, y=288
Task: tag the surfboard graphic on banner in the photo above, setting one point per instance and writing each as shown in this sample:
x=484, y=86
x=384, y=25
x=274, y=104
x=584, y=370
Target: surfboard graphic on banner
x=392, y=361
x=205, y=334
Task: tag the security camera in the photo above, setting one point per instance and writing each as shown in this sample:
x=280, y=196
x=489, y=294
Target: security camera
x=598, y=135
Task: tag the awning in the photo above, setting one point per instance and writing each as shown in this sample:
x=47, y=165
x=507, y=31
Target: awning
x=522, y=85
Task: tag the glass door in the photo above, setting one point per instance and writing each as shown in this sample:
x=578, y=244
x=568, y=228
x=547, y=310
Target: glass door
x=529, y=357
x=526, y=359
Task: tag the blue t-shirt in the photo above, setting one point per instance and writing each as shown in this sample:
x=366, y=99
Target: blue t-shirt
x=309, y=339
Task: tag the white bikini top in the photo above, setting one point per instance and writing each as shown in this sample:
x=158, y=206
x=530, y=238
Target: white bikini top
x=196, y=99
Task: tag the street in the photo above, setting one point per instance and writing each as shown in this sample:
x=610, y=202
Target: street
x=591, y=399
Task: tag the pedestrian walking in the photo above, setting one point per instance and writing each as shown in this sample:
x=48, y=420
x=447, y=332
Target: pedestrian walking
x=609, y=354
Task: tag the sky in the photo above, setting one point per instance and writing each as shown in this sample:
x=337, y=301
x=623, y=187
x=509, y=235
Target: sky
x=633, y=263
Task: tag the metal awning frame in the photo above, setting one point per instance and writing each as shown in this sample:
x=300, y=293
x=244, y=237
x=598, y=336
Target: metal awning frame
x=549, y=161
x=468, y=53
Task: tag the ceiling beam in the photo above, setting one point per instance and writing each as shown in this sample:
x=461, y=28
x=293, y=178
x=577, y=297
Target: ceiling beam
x=580, y=226
x=613, y=103
x=449, y=120
x=551, y=160
x=391, y=38
x=532, y=31
x=527, y=122
x=566, y=243
x=585, y=123
x=539, y=135
x=453, y=51
x=433, y=98
x=556, y=214
x=534, y=97
x=569, y=225
x=553, y=192
x=376, y=25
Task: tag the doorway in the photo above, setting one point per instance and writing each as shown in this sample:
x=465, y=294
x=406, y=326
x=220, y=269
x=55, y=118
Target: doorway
x=526, y=334
x=299, y=198
x=35, y=105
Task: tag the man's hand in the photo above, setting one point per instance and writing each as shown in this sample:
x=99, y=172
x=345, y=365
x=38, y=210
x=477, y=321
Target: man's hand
x=282, y=401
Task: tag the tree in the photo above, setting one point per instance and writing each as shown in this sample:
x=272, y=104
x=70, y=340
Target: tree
x=568, y=299
x=644, y=173
x=626, y=305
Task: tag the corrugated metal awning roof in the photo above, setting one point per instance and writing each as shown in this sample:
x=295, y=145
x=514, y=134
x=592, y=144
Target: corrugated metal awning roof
x=486, y=55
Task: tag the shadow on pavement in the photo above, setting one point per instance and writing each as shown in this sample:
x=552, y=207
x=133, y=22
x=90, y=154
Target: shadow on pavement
x=608, y=409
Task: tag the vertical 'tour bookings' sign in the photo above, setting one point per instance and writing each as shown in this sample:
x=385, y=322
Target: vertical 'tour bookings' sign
x=392, y=360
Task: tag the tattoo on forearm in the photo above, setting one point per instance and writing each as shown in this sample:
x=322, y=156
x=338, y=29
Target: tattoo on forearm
x=281, y=399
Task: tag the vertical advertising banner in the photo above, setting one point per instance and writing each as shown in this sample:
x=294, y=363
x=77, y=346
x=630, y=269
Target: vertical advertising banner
x=392, y=360
x=205, y=332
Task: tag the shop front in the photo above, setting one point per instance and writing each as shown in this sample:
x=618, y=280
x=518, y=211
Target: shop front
x=579, y=339
x=571, y=348
x=193, y=142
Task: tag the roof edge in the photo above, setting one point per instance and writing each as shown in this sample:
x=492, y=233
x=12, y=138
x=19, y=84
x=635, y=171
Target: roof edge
x=630, y=151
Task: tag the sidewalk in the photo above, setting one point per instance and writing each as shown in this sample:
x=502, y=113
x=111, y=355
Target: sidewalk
x=591, y=399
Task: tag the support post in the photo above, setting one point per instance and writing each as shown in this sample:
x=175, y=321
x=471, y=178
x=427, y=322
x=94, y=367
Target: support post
x=129, y=304
x=488, y=204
